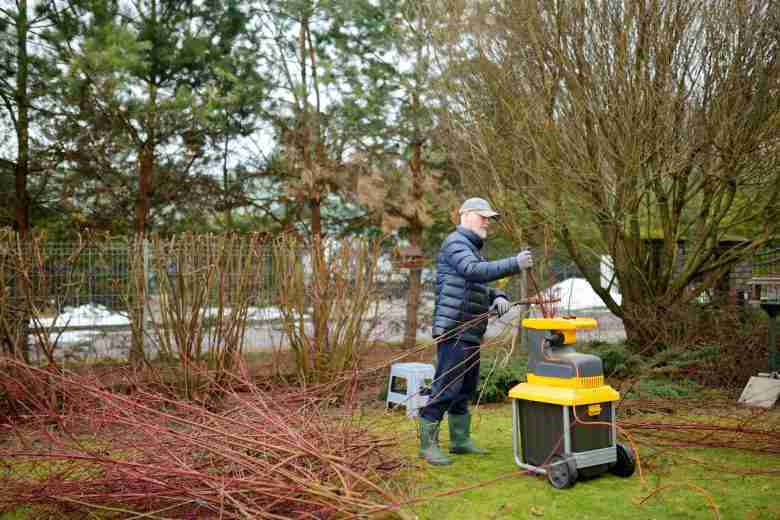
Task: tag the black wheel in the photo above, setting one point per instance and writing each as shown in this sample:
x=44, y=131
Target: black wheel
x=591, y=471
x=626, y=462
x=561, y=473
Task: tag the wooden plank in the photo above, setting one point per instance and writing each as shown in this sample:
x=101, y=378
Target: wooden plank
x=761, y=391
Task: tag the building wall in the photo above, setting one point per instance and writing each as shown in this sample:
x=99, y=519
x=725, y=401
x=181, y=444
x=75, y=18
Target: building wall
x=739, y=282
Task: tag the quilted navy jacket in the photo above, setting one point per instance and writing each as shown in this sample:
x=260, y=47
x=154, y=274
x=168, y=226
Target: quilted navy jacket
x=462, y=275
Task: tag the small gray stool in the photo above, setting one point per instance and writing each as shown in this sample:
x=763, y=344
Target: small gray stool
x=415, y=376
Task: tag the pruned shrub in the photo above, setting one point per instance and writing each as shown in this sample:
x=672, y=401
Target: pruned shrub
x=329, y=304
x=192, y=320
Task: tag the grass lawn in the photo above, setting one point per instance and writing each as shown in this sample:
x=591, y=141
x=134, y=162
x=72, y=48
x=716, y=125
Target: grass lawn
x=675, y=483
x=688, y=483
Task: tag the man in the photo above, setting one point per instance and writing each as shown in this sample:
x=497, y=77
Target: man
x=461, y=296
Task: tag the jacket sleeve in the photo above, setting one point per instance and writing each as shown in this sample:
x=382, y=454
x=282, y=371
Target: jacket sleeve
x=495, y=293
x=469, y=266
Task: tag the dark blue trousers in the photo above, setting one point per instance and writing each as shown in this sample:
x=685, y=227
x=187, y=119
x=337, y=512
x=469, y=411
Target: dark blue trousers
x=456, y=379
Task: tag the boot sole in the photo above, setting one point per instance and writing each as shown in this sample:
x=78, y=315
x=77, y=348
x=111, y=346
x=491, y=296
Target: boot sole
x=467, y=452
x=447, y=462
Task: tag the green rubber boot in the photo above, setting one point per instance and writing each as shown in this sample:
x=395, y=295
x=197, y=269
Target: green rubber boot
x=429, y=443
x=460, y=436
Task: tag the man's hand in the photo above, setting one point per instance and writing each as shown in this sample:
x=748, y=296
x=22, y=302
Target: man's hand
x=525, y=260
x=501, y=305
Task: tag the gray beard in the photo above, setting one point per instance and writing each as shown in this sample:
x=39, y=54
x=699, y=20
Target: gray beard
x=482, y=233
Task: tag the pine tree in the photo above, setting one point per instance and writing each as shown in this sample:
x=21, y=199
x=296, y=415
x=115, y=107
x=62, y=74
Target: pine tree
x=147, y=84
x=25, y=69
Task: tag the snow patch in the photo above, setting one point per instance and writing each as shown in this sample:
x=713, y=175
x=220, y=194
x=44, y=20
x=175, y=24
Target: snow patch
x=263, y=313
x=576, y=294
x=72, y=337
x=89, y=315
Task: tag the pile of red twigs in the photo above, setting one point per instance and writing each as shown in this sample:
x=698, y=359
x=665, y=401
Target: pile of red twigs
x=681, y=424
x=260, y=454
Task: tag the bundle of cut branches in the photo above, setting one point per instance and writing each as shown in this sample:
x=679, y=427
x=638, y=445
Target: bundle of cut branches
x=262, y=454
x=702, y=423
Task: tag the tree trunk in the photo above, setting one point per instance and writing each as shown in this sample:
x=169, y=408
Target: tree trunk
x=415, y=239
x=22, y=209
x=413, y=295
x=22, y=171
x=22, y=287
x=226, y=182
x=650, y=325
x=320, y=283
x=142, y=205
x=145, y=174
x=139, y=253
x=639, y=339
x=15, y=335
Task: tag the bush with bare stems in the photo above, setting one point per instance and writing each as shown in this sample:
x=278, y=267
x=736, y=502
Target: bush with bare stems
x=29, y=287
x=329, y=305
x=206, y=285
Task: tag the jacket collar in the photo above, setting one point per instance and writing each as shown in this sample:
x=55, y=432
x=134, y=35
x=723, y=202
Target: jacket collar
x=471, y=236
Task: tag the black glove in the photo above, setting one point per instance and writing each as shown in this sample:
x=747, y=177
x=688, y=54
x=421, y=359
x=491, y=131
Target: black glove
x=501, y=305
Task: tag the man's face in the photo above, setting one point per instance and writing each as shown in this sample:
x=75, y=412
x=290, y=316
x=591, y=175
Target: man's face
x=477, y=223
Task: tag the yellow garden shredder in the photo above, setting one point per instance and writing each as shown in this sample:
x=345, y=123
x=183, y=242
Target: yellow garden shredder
x=563, y=422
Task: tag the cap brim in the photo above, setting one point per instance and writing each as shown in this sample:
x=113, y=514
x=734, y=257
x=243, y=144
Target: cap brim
x=487, y=213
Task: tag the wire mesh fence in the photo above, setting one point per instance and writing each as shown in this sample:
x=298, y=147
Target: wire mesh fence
x=98, y=274
x=81, y=299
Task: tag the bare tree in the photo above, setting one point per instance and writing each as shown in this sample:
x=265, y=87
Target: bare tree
x=646, y=130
